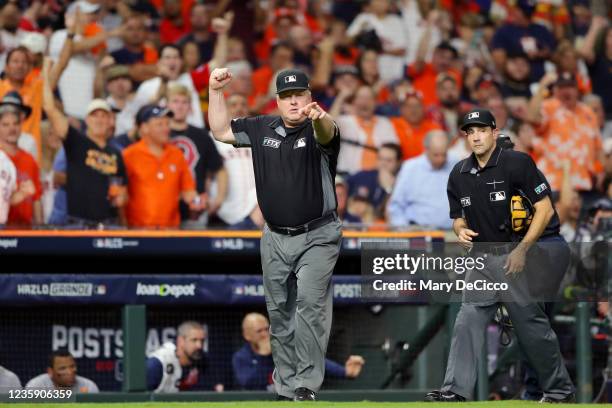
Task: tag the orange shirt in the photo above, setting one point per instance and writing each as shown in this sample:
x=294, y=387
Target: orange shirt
x=92, y=30
x=27, y=169
x=425, y=82
x=261, y=80
x=31, y=93
x=568, y=136
x=411, y=138
x=155, y=184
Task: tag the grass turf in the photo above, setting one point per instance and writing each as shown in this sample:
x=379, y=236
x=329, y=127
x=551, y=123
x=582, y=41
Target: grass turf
x=274, y=404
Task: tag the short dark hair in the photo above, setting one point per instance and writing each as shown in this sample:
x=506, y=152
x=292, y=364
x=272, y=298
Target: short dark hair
x=395, y=147
x=446, y=46
x=280, y=44
x=58, y=353
x=21, y=48
x=172, y=46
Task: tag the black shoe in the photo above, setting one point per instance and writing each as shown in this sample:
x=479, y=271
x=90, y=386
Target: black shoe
x=433, y=396
x=304, y=394
x=443, y=396
x=568, y=399
x=283, y=398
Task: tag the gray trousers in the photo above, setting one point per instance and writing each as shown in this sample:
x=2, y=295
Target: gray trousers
x=297, y=275
x=535, y=336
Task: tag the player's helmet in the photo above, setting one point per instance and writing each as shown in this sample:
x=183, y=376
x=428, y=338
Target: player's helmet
x=521, y=213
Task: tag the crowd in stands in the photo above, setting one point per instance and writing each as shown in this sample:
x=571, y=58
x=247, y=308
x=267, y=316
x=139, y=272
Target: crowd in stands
x=83, y=83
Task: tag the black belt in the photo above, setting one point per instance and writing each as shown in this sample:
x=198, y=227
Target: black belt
x=309, y=226
x=497, y=250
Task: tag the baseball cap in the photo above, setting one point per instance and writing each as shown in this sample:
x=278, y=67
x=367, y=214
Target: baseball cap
x=98, y=104
x=117, y=71
x=36, y=43
x=291, y=79
x=478, y=117
x=148, y=112
x=345, y=69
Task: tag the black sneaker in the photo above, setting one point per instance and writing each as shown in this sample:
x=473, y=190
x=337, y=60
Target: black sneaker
x=568, y=399
x=283, y=398
x=304, y=394
x=451, y=397
x=433, y=396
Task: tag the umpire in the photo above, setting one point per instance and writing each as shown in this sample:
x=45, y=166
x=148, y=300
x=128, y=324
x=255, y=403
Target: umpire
x=479, y=191
x=294, y=159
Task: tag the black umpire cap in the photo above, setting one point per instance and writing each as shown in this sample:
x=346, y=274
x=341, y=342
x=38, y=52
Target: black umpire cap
x=481, y=117
x=290, y=80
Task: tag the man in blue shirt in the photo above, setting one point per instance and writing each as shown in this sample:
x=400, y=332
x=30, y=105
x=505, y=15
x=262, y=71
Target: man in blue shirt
x=419, y=194
x=253, y=364
x=523, y=36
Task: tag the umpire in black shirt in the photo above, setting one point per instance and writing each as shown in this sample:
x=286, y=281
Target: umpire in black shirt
x=479, y=192
x=294, y=159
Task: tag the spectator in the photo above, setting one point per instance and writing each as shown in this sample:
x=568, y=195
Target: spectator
x=200, y=32
x=377, y=185
x=9, y=194
x=158, y=174
x=51, y=144
x=412, y=126
x=367, y=64
x=501, y=114
x=8, y=379
x=300, y=39
x=345, y=82
x=363, y=133
x=597, y=52
x=113, y=14
x=239, y=209
x=236, y=50
x=568, y=130
x=173, y=367
x=415, y=16
x=390, y=32
x=201, y=155
x=449, y=108
x=517, y=76
x=276, y=32
x=170, y=67
x=36, y=44
x=62, y=374
x=76, y=85
x=59, y=213
x=419, y=194
x=522, y=35
x=241, y=80
x=91, y=162
x=253, y=365
x=174, y=25
x=191, y=55
x=140, y=57
x=119, y=87
x=341, y=187
x=566, y=59
x=10, y=34
x=281, y=57
x=28, y=211
x=424, y=75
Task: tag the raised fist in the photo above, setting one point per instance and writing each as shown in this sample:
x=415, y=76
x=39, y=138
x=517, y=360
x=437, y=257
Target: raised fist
x=219, y=78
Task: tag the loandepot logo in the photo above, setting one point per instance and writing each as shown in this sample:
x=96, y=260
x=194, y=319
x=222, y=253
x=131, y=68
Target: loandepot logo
x=164, y=290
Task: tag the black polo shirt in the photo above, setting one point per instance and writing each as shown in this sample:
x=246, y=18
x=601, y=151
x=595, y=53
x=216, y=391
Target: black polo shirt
x=482, y=196
x=294, y=175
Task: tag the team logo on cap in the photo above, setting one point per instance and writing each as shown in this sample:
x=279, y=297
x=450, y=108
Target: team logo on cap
x=290, y=78
x=474, y=115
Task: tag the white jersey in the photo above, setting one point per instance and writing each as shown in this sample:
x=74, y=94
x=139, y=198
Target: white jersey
x=8, y=381
x=8, y=185
x=172, y=370
x=82, y=385
x=241, y=195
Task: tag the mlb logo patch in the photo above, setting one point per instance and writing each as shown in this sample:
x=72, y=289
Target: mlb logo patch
x=474, y=115
x=466, y=202
x=269, y=142
x=290, y=78
x=497, y=196
x=300, y=143
x=540, y=188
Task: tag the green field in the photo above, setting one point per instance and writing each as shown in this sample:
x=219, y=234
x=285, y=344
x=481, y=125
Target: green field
x=274, y=404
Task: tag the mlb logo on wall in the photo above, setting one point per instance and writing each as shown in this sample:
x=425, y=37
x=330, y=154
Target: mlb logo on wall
x=474, y=115
x=497, y=196
x=465, y=202
x=290, y=78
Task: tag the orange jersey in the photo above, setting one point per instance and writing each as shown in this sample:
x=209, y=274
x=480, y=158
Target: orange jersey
x=155, y=185
x=91, y=30
x=27, y=169
x=411, y=138
x=425, y=82
x=31, y=93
